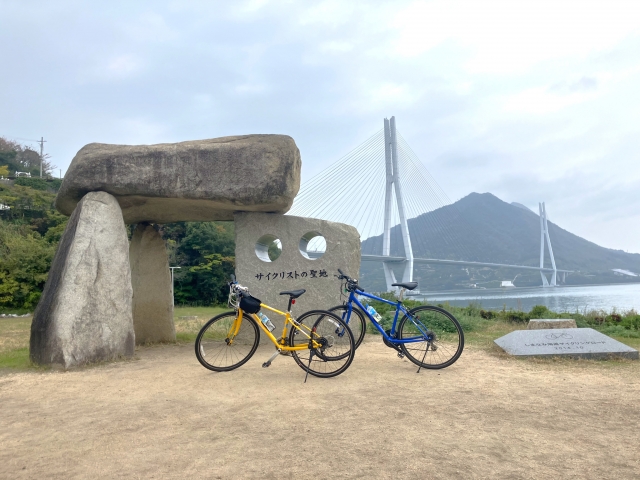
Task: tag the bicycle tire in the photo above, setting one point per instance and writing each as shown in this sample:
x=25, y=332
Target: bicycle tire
x=212, y=341
x=446, y=345
x=358, y=325
x=338, y=351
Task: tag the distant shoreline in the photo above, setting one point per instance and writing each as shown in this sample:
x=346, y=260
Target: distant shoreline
x=481, y=291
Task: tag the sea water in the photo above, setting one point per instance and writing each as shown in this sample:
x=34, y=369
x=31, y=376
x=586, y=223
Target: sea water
x=621, y=297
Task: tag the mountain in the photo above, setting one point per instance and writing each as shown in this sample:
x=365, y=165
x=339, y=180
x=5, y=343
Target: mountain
x=483, y=228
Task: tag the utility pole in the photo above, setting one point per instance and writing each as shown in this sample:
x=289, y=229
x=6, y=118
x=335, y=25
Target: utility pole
x=41, y=142
x=173, y=302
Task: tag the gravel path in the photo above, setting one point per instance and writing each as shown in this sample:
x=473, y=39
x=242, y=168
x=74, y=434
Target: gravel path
x=165, y=416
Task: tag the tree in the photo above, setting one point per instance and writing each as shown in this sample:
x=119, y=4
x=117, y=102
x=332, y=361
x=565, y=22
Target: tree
x=206, y=253
x=25, y=259
x=4, y=171
x=21, y=158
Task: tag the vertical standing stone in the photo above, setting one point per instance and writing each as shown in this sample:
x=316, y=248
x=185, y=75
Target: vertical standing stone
x=151, y=280
x=84, y=314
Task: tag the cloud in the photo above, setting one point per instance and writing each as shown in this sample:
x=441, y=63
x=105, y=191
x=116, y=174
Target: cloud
x=529, y=100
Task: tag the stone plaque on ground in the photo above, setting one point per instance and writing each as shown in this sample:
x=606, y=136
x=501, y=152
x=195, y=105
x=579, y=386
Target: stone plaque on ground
x=570, y=342
x=550, y=323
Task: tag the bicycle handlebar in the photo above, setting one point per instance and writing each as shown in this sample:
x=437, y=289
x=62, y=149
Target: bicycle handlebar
x=352, y=284
x=236, y=287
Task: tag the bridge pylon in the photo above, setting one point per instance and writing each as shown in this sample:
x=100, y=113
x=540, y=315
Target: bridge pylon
x=544, y=235
x=393, y=186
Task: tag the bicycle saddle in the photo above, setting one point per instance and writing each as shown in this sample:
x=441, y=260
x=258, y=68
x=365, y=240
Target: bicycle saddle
x=408, y=285
x=294, y=293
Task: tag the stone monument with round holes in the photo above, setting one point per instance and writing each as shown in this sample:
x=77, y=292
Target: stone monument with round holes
x=103, y=295
x=275, y=253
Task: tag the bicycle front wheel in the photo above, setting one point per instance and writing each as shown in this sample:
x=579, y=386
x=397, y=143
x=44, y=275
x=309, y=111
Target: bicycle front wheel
x=439, y=337
x=224, y=343
x=334, y=347
x=356, y=321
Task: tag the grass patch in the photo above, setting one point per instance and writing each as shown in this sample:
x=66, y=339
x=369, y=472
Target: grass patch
x=14, y=333
x=14, y=343
x=479, y=330
x=18, y=358
x=187, y=327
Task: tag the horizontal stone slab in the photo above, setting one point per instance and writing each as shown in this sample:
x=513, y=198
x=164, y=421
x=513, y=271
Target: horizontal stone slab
x=551, y=323
x=571, y=342
x=200, y=180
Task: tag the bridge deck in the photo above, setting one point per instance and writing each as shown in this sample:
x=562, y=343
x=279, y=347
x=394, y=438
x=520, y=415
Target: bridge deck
x=383, y=258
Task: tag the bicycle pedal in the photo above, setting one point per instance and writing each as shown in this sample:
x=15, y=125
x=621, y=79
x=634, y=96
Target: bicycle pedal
x=268, y=362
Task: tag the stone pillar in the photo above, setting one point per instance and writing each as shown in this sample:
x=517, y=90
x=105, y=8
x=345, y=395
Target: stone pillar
x=84, y=314
x=298, y=266
x=151, y=280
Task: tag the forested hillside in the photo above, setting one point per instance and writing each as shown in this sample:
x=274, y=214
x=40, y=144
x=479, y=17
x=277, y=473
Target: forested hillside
x=483, y=228
x=30, y=229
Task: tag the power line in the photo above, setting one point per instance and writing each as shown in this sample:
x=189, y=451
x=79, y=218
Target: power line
x=19, y=138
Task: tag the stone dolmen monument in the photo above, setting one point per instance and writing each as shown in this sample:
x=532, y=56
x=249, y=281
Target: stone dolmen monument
x=104, y=294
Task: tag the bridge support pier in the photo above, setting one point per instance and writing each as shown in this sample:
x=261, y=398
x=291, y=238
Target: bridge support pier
x=393, y=184
x=544, y=235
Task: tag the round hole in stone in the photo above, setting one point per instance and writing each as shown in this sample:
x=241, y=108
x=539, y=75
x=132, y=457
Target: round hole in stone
x=268, y=248
x=312, y=245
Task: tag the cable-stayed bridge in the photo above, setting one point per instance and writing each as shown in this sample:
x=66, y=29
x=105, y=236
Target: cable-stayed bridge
x=379, y=187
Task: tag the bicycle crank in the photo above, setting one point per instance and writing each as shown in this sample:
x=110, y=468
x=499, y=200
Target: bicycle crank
x=271, y=358
x=395, y=346
x=285, y=343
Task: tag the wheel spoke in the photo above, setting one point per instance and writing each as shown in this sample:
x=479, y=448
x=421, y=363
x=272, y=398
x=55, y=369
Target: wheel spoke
x=215, y=353
x=335, y=352
x=443, y=332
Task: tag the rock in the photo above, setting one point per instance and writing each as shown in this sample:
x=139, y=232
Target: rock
x=570, y=342
x=546, y=323
x=84, y=314
x=151, y=281
x=293, y=269
x=199, y=180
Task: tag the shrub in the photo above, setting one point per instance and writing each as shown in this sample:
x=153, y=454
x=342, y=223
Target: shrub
x=541, y=311
x=35, y=183
x=515, y=316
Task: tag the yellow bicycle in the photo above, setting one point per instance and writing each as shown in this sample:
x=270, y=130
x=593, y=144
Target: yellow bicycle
x=319, y=341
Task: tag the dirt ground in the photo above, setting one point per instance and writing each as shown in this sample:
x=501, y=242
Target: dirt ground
x=164, y=416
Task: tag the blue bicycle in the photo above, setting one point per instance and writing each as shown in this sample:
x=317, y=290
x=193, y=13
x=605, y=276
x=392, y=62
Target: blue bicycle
x=429, y=336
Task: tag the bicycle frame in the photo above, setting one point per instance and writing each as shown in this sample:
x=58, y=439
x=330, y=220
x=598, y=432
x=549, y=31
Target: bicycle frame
x=235, y=328
x=353, y=298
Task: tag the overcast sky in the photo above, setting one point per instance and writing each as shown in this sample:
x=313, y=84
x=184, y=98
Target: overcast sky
x=529, y=100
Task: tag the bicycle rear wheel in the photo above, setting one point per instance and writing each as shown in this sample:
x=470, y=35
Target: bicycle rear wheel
x=220, y=348
x=439, y=336
x=356, y=323
x=337, y=347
